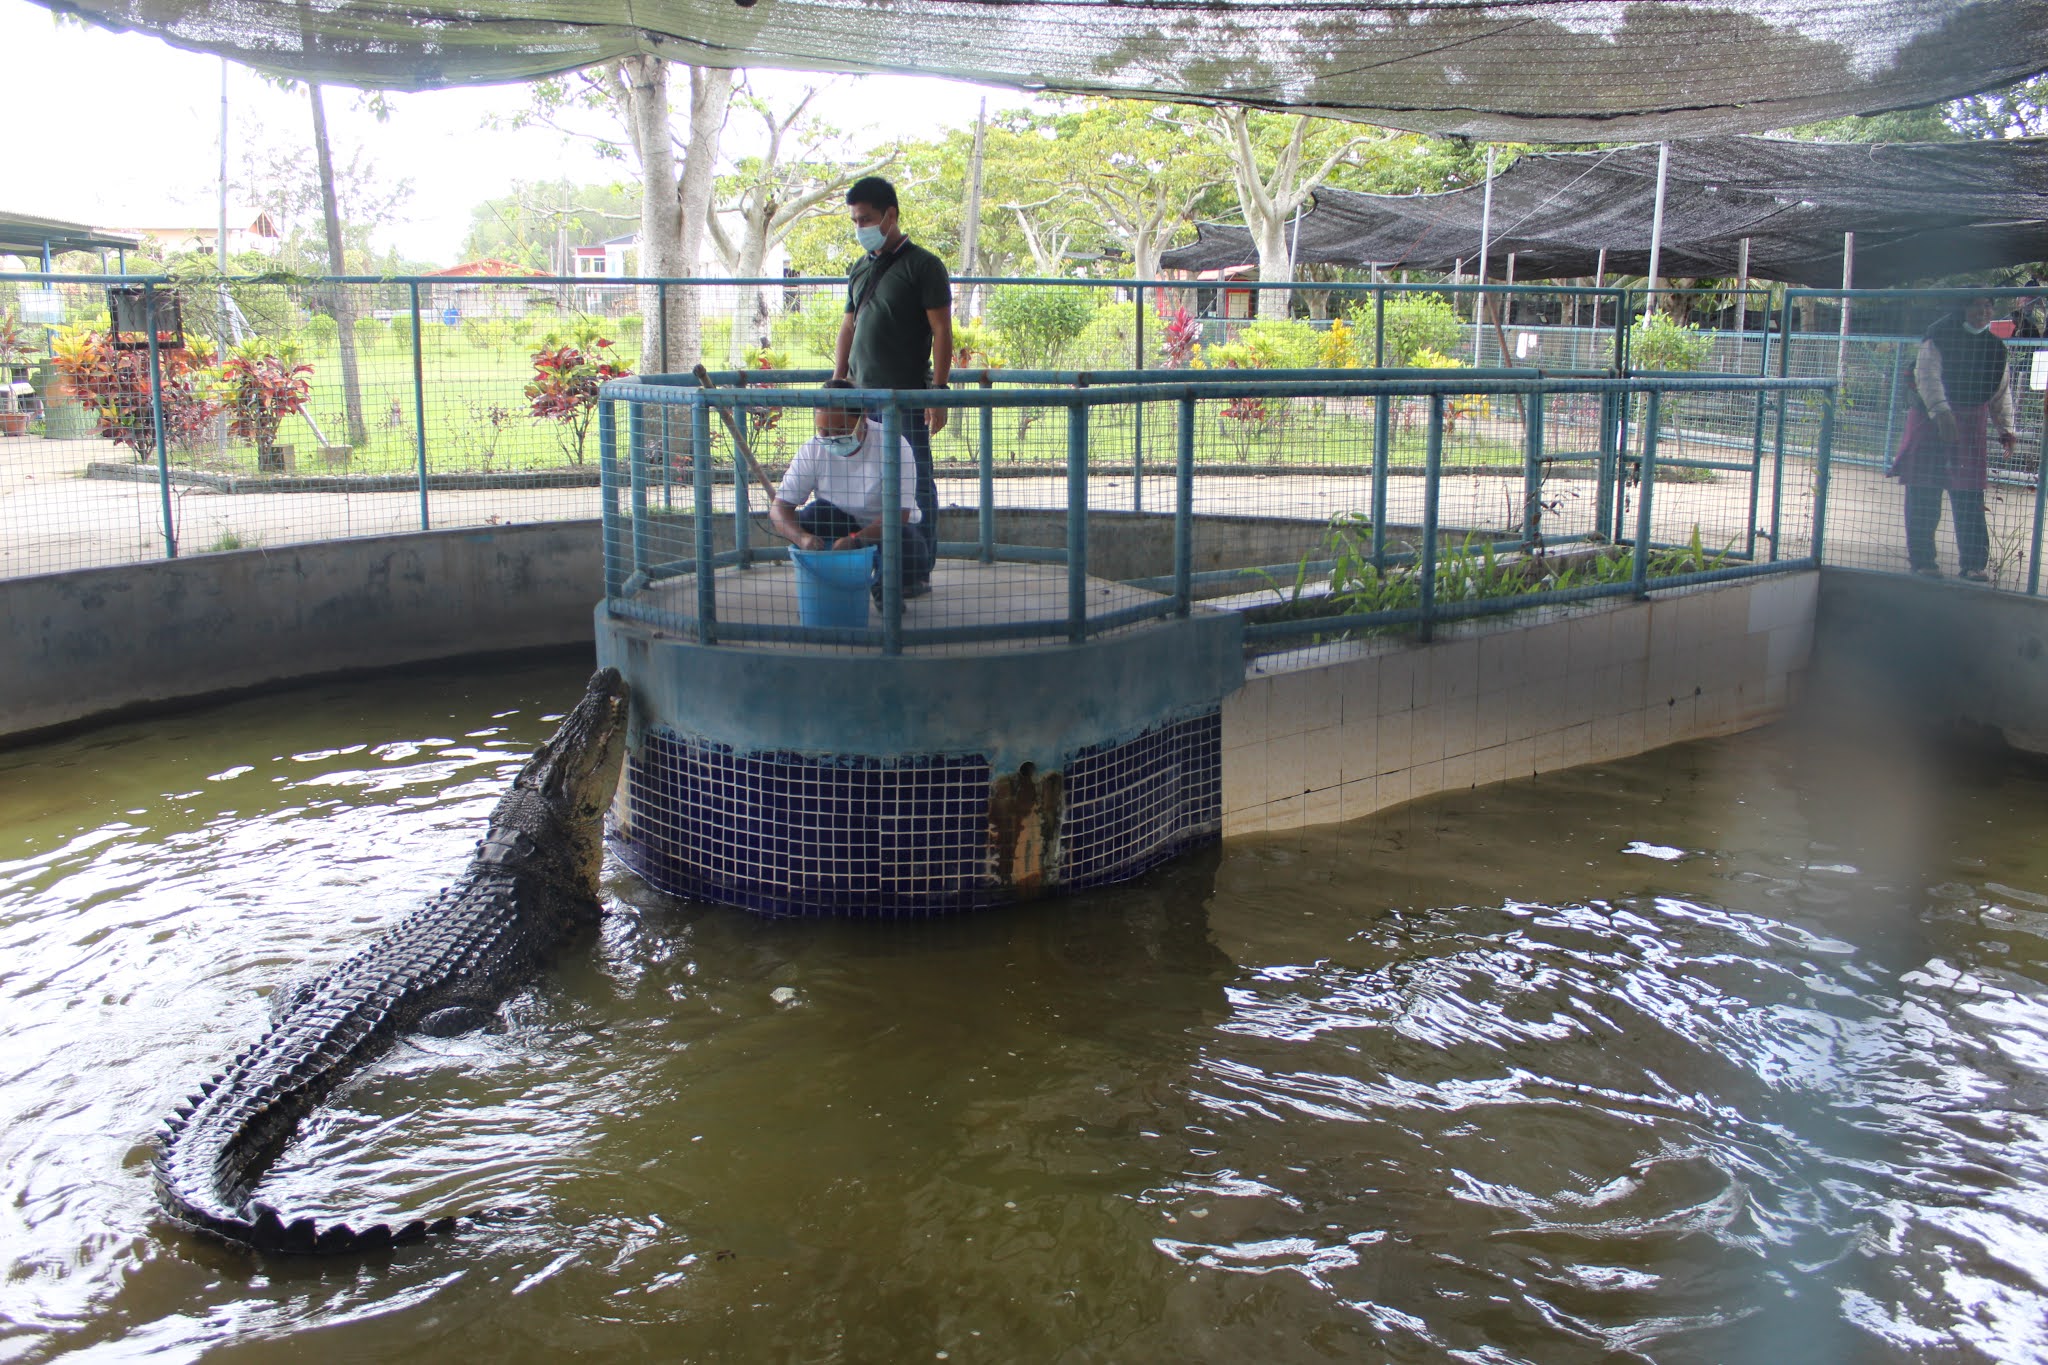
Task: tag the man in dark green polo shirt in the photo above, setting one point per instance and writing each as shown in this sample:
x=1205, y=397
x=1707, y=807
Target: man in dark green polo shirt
x=898, y=332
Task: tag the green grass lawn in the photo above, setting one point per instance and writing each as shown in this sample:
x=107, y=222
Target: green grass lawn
x=478, y=420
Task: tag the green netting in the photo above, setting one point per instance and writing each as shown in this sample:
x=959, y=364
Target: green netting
x=1555, y=70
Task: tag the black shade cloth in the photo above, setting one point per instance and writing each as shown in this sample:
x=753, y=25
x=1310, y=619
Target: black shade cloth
x=1546, y=70
x=1919, y=210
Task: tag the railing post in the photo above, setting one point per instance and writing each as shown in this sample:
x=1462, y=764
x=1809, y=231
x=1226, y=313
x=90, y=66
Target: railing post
x=892, y=527
x=608, y=498
x=1431, y=475
x=1778, y=452
x=1382, y=440
x=1138, y=412
x=636, y=481
x=1648, y=467
x=1532, y=471
x=700, y=516
x=1609, y=470
x=1077, y=522
x=419, y=404
x=1756, y=456
x=156, y=422
x=1184, y=506
x=2040, y=467
x=1379, y=327
x=985, y=524
x=1824, y=461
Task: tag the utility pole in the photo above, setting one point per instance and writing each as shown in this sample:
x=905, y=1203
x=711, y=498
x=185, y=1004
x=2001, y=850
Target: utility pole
x=970, y=234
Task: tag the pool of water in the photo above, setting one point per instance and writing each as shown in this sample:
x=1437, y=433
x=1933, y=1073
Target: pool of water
x=1734, y=1052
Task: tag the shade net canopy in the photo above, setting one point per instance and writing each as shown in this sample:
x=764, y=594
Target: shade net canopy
x=1919, y=211
x=1544, y=70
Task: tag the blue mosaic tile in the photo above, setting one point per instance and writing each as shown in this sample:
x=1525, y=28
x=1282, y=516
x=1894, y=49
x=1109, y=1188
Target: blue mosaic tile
x=802, y=834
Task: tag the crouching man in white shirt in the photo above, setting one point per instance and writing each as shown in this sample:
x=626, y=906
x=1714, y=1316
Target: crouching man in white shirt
x=831, y=496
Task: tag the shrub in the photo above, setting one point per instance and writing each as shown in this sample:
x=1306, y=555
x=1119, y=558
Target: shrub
x=115, y=385
x=371, y=332
x=564, y=388
x=1179, y=339
x=263, y=389
x=1415, y=322
x=1038, y=323
x=1658, y=343
x=974, y=347
x=1109, y=341
x=810, y=330
x=1338, y=348
x=1456, y=409
x=1282, y=343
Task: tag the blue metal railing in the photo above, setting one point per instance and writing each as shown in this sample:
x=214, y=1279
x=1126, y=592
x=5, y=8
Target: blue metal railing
x=635, y=562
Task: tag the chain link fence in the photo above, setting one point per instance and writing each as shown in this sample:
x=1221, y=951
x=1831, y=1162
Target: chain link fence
x=284, y=411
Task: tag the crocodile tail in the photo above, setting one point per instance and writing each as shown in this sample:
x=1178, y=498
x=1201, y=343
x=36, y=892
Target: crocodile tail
x=217, y=1143
x=265, y=1230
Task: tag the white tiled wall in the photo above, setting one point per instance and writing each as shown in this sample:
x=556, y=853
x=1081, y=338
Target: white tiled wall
x=1333, y=732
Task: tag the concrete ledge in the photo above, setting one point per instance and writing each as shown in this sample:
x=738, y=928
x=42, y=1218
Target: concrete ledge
x=79, y=645
x=1334, y=732
x=1943, y=651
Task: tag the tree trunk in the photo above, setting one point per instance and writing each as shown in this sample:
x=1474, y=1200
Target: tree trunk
x=341, y=304
x=710, y=96
x=750, y=307
x=1275, y=263
x=1147, y=245
x=661, y=216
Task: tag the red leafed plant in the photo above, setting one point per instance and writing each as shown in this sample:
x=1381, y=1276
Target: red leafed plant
x=114, y=383
x=1182, y=332
x=564, y=388
x=262, y=391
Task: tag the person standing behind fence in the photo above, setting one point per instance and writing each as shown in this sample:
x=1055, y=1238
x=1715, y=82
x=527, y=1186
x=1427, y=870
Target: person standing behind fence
x=1960, y=393
x=898, y=334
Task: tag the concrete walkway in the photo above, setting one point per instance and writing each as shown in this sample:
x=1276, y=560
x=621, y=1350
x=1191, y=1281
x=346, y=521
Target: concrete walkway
x=53, y=519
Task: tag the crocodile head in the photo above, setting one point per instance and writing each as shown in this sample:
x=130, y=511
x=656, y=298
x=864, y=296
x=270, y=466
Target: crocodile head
x=577, y=770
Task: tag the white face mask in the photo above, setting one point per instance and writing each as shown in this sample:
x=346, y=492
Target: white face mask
x=1975, y=330
x=842, y=446
x=870, y=237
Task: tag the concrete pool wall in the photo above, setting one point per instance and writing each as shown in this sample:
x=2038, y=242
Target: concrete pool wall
x=1334, y=732
x=1316, y=735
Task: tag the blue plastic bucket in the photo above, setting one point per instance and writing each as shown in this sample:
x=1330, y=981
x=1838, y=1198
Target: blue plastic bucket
x=832, y=586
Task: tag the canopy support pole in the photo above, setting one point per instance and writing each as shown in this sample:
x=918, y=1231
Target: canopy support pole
x=1485, y=233
x=1741, y=288
x=1599, y=282
x=1848, y=283
x=1657, y=228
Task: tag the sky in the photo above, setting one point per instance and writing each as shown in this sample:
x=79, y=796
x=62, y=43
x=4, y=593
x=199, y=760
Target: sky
x=150, y=155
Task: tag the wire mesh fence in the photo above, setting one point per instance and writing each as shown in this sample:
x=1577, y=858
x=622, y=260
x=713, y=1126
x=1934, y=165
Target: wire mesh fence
x=1079, y=505
x=453, y=401
x=1879, y=390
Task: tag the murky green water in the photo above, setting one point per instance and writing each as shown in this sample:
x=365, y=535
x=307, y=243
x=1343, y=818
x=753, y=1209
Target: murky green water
x=1732, y=1053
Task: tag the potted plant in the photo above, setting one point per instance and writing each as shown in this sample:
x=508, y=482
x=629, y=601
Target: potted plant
x=263, y=390
x=14, y=350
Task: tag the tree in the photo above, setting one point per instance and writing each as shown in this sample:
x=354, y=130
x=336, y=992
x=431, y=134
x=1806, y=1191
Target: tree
x=1139, y=172
x=2016, y=111
x=341, y=303
x=1299, y=163
x=351, y=200
x=802, y=164
x=524, y=226
x=632, y=95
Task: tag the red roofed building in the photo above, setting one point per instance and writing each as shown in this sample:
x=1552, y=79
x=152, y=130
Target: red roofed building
x=454, y=298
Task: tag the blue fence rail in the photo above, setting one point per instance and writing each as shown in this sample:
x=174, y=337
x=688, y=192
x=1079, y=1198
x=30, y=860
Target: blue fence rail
x=653, y=545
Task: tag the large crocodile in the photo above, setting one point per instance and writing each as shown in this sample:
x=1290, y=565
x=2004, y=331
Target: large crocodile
x=532, y=884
